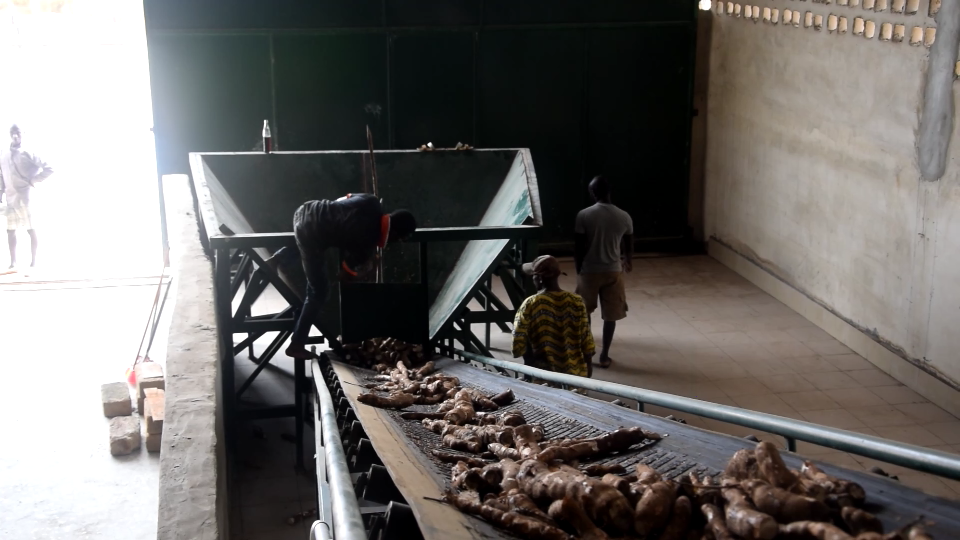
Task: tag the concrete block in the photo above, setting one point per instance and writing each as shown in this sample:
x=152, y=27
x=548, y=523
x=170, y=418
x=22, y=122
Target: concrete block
x=153, y=409
x=149, y=375
x=124, y=435
x=153, y=442
x=116, y=399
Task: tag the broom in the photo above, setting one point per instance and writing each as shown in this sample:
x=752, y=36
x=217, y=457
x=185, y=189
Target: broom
x=152, y=320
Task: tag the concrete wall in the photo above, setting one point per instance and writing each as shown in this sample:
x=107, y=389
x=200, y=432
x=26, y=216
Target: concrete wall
x=812, y=173
x=193, y=494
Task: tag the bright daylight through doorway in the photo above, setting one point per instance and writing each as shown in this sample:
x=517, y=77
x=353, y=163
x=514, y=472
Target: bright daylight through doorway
x=76, y=82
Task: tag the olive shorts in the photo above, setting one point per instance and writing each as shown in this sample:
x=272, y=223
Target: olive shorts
x=609, y=287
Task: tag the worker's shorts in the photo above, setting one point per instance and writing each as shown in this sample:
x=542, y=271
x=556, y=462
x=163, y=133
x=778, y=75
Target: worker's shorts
x=609, y=287
x=18, y=217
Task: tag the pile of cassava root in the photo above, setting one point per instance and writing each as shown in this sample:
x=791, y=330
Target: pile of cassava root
x=506, y=472
x=379, y=350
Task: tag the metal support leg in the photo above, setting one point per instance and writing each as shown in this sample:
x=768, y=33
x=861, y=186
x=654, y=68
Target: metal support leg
x=791, y=444
x=299, y=387
x=264, y=361
x=486, y=307
x=224, y=323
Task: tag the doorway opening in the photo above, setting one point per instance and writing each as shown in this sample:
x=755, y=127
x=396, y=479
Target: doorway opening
x=76, y=81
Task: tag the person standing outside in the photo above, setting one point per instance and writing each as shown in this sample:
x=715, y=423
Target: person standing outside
x=551, y=330
x=19, y=173
x=603, y=252
x=357, y=226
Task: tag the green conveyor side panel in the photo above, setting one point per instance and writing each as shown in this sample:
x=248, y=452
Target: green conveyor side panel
x=253, y=193
x=512, y=205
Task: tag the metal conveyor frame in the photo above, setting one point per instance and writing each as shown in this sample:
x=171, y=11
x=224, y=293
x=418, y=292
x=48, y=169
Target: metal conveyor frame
x=906, y=455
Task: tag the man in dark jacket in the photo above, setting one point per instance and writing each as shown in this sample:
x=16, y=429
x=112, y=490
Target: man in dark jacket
x=357, y=226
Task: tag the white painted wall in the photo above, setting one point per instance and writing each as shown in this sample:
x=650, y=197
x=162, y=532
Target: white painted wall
x=811, y=171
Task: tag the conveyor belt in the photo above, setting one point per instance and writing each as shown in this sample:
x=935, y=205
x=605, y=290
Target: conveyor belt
x=404, y=446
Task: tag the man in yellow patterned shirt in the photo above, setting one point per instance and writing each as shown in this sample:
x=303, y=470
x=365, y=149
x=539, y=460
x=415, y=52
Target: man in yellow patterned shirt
x=551, y=330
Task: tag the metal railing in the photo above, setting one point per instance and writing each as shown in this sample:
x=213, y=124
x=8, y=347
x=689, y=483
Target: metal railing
x=345, y=509
x=905, y=455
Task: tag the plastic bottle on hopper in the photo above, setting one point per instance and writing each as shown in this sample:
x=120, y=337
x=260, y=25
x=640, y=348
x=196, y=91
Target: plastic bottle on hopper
x=267, y=139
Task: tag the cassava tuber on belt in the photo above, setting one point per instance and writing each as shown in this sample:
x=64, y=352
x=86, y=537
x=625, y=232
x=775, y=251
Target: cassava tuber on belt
x=504, y=398
x=397, y=400
x=462, y=411
x=679, y=522
x=518, y=524
x=606, y=506
x=784, y=506
x=600, y=469
x=450, y=457
x=860, y=521
x=744, y=520
x=570, y=511
x=536, y=486
x=716, y=525
x=653, y=509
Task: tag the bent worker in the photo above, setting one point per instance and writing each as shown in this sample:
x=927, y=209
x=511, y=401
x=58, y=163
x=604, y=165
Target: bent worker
x=551, y=330
x=357, y=226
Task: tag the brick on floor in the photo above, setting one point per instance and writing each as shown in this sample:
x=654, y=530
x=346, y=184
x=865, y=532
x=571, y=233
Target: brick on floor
x=115, y=397
x=149, y=375
x=153, y=410
x=124, y=435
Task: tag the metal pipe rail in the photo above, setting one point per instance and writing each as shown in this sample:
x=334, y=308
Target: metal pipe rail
x=347, y=522
x=906, y=455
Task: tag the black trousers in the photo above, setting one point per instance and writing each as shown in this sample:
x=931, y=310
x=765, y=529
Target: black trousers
x=318, y=288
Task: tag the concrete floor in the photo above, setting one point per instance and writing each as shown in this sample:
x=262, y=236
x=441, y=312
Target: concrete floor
x=695, y=328
x=57, y=477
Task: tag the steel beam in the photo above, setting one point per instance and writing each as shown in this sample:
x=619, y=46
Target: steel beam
x=439, y=234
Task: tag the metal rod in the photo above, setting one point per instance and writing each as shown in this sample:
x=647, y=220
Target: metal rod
x=347, y=522
x=906, y=455
x=431, y=234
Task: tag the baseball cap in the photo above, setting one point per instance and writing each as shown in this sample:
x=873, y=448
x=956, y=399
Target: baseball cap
x=544, y=265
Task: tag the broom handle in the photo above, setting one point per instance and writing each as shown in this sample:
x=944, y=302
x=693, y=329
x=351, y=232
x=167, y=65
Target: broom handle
x=373, y=174
x=153, y=308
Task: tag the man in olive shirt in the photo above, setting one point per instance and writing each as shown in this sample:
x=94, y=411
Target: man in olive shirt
x=601, y=230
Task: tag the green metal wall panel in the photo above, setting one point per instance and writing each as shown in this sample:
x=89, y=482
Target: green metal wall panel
x=433, y=91
x=638, y=122
x=206, y=15
x=433, y=12
x=599, y=87
x=328, y=88
x=210, y=94
x=531, y=93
